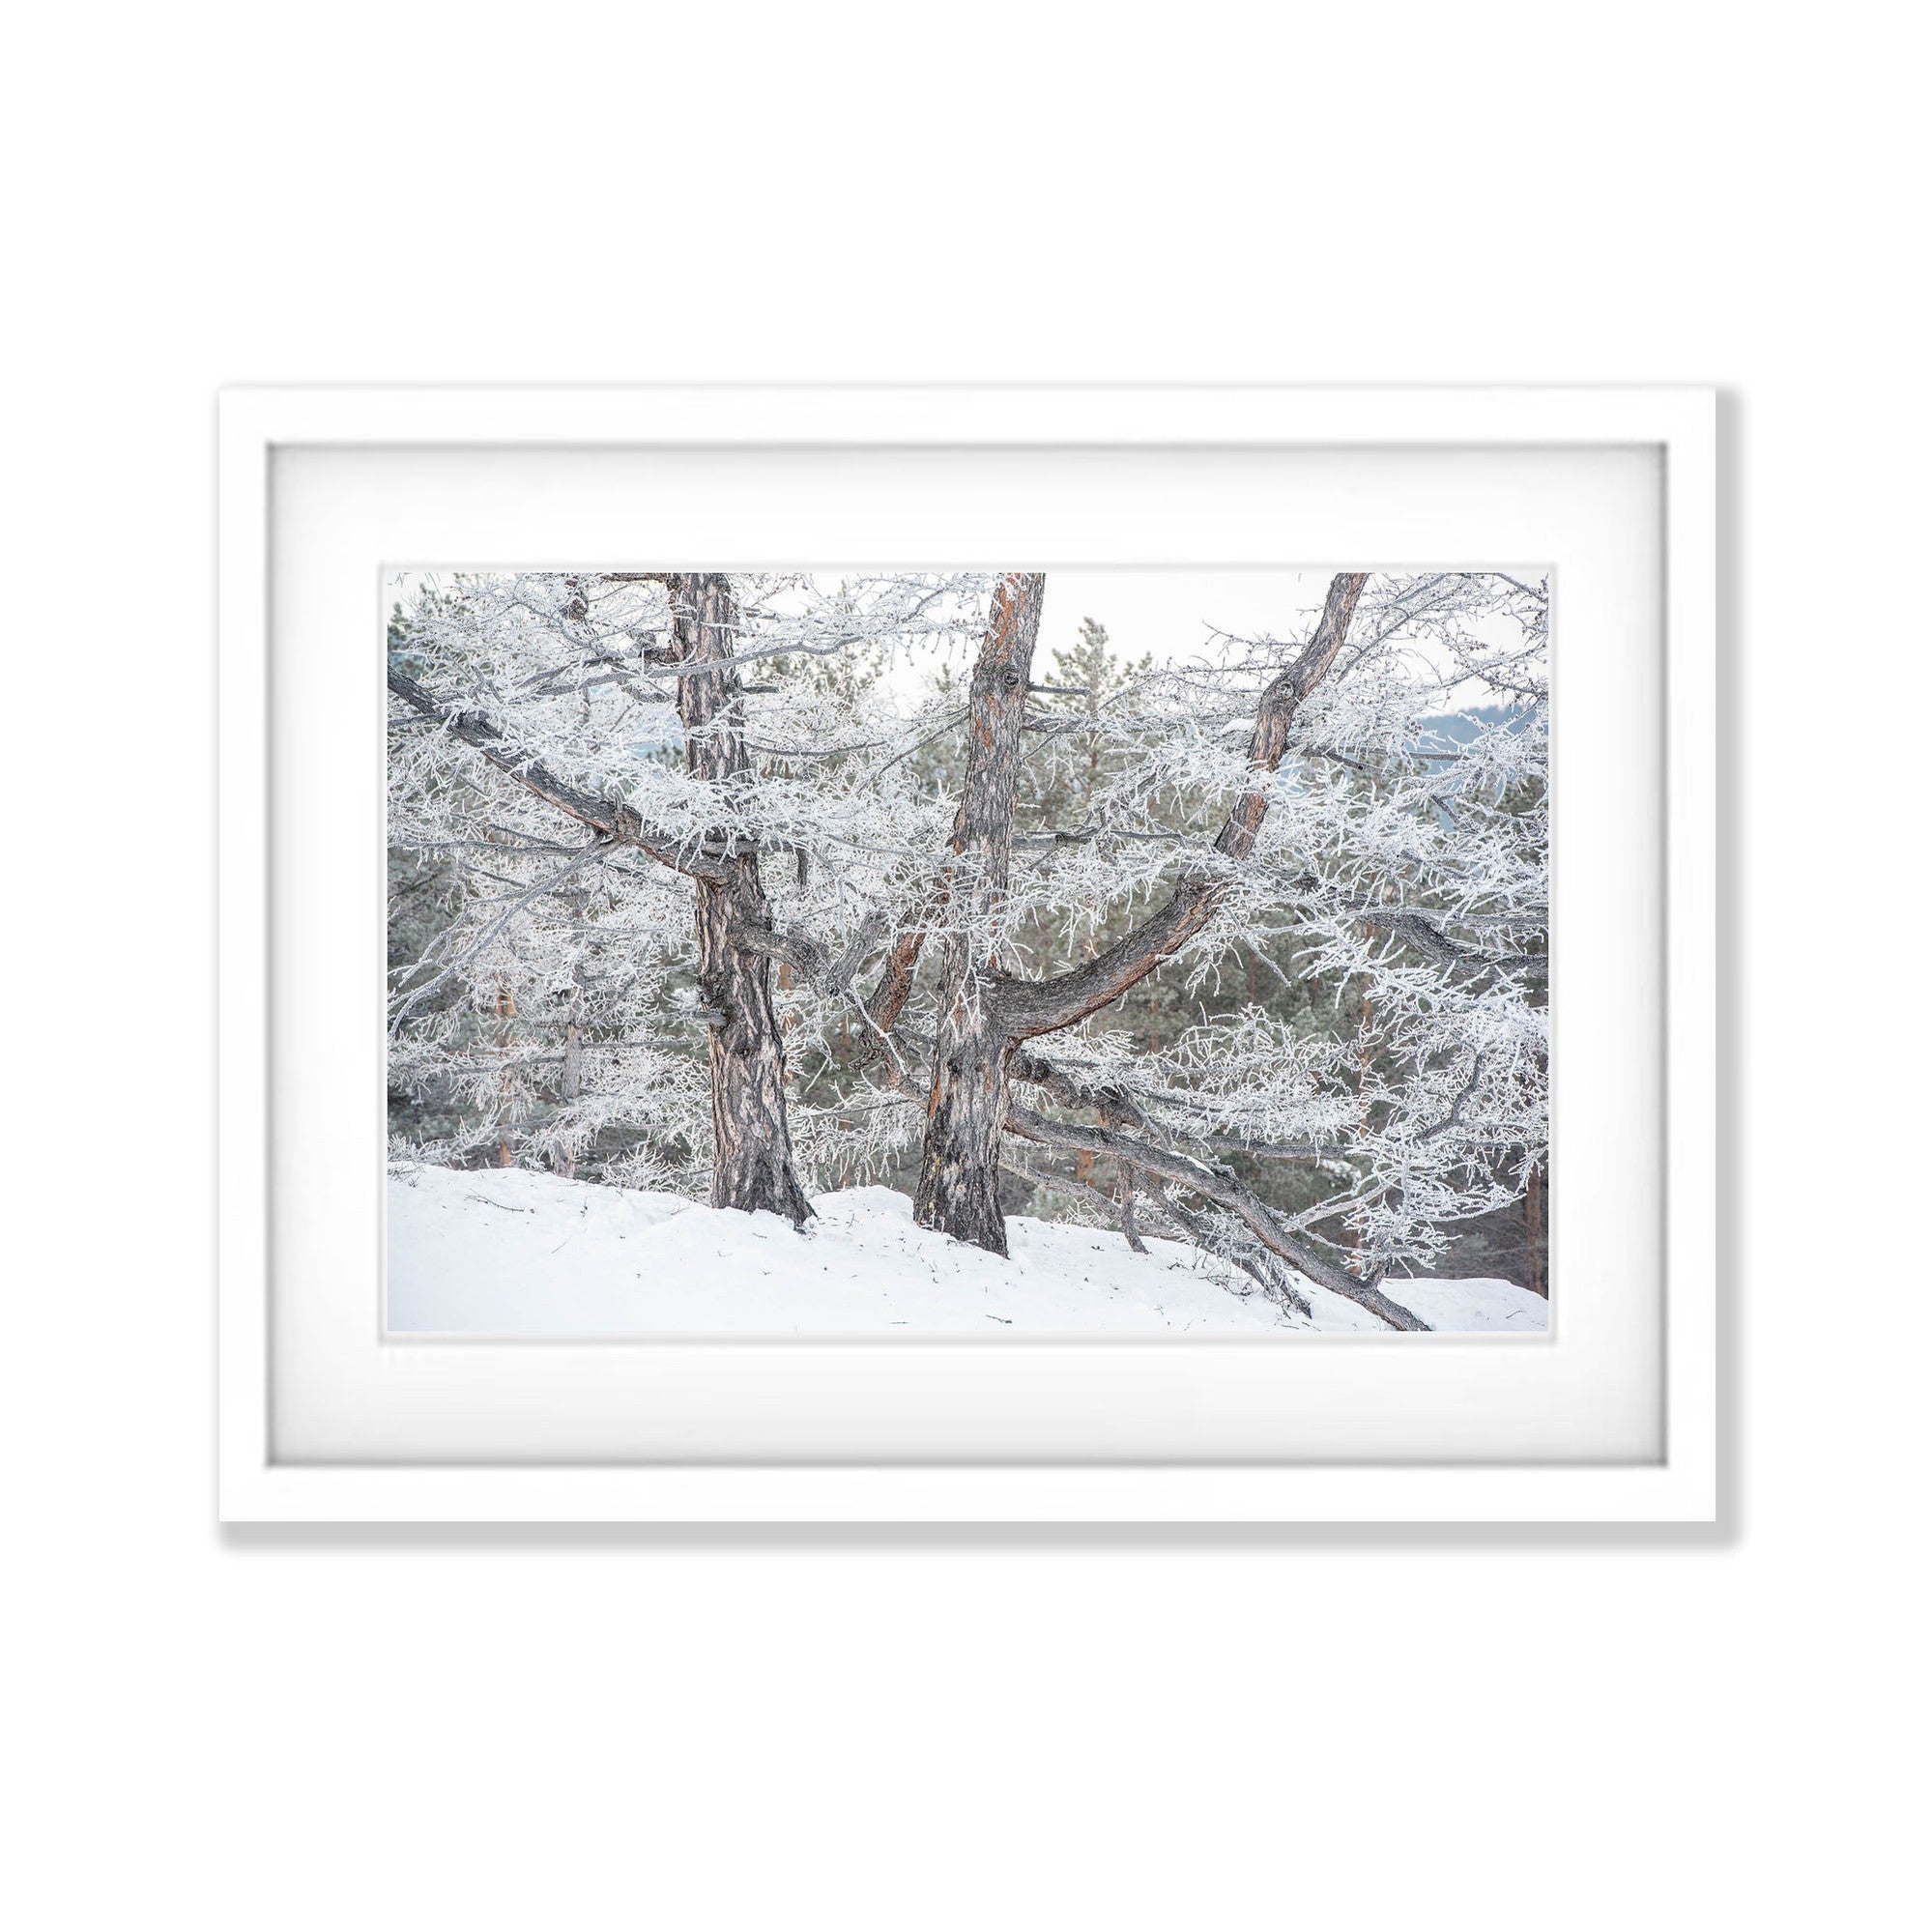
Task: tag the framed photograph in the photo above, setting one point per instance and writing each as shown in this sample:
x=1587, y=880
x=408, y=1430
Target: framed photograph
x=960, y=954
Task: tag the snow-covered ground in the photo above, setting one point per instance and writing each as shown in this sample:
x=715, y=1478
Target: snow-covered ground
x=503, y=1252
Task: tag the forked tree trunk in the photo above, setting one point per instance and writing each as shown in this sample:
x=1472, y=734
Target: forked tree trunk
x=966, y=1115
x=984, y=1013
x=751, y=1140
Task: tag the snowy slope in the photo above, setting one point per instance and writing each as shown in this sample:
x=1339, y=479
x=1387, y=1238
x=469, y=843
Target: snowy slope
x=507, y=1252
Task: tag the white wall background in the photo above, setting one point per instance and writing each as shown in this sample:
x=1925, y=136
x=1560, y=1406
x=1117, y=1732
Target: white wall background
x=586, y=1730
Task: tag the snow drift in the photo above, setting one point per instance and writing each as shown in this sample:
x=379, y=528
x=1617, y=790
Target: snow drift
x=505, y=1252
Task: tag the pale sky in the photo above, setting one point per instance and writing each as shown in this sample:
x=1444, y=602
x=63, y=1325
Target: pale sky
x=1167, y=612
x=1164, y=610
x=1170, y=611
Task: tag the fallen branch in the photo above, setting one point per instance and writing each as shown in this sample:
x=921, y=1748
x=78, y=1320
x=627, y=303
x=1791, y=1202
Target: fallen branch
x=1224, y=1191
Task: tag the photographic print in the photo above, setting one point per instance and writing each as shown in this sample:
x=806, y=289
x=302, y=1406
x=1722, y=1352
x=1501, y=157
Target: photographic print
x=980, y=954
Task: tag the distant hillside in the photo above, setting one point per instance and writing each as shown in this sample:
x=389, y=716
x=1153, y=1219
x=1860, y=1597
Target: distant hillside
x=1457, y=727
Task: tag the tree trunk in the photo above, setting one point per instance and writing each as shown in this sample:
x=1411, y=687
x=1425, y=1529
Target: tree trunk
x=751, y=1140
x=959, y=1168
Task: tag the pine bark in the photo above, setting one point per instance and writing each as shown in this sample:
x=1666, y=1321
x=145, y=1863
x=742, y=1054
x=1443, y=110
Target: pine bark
x=965, y=1113
x=751, y=1159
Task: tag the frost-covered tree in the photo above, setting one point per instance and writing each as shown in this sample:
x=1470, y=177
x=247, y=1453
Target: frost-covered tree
x=1386, y=854
x=1259, y=936
x=618, y=702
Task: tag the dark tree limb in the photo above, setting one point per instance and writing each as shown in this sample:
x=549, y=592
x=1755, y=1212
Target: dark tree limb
x=1275, y=1279
x=810, y=961
x=1224, y=1191
x=1081, y=1190
x=617, y=822
x=1045, y=1006
x=902, y=964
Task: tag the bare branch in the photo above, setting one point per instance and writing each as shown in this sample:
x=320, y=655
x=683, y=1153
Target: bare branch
x=617, y=822
x=1224, y=1191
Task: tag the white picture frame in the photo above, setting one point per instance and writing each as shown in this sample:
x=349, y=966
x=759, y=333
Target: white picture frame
x=1154, y=1454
